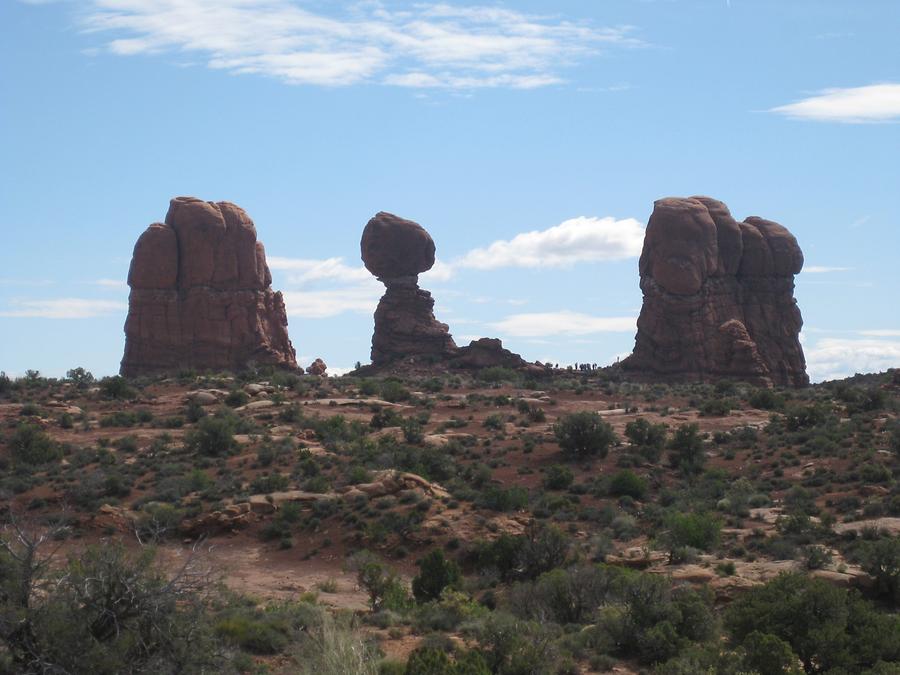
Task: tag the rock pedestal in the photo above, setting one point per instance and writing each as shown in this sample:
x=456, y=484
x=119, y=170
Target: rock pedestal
x=396, y=251
x=201, y=295
x=718, y=298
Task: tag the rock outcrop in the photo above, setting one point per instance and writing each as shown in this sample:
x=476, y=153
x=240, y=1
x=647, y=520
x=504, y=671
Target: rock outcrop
x=201, y=295
x=396, y=251
x=718, y=298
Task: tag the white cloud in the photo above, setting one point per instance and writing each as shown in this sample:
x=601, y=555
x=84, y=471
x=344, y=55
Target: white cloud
x=64, y=308
x=542, y=324
x=110, y=283
x=821, y=269
x=306, y=270
x=425, y=46
x=579, y=239
x=321, y=304
x=835, y=358
x=889, y=332
x=872, y=103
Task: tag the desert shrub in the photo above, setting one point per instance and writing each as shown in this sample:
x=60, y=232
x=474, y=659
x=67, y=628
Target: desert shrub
x=158, y=521
x=627, y=483
x=116, y=387
x=236, y=398
x=496, y=498
x=413, y=430
x=435, y=574
x=81, y=378
x=766, y=399
x=686, y=449
x=254, y=630
x=540, y=549
x=696, y=530
x=828, y=628
x=805, y=416
x=119, y=418
x=766, y=653
x=272, y=482
x=558, y=477
x=881, y=560
x=30, y=445
x=105, y=611
x=496, y=374
x=584, y=433
x=214, y=436
x=381, y=583
x=493, y=421
x=566, y=595
x=648, y=438
x=513, y=646
x=716, y=407
x=393, y=391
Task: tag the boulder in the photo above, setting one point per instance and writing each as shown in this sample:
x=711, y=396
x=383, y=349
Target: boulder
x=201, y=295
x=718, y=298
x=317, y=368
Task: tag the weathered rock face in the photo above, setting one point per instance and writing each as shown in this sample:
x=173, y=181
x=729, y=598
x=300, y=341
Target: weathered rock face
x=397, y=251
x=718, y=297
x=201, y=295
x=488, y=353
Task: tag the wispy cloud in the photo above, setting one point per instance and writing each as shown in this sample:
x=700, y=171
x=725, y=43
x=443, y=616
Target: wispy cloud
x=822, y=269
x=853, y=105
x=834, y=358
x=118, y=284
x=580, y=239
x=6, y=281
x=322, y=304
x=542, y=324
x=881, y=332
x=430, y=45
x=63, y=308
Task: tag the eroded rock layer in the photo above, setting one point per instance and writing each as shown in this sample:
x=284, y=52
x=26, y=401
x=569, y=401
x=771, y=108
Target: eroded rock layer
x=201, y=295
x=718, y=298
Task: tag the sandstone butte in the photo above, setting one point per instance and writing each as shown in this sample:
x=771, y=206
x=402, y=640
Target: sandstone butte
x=718, y=298
x=201, y=295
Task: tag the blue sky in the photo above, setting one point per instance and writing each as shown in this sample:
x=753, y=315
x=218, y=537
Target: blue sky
x=482, y=121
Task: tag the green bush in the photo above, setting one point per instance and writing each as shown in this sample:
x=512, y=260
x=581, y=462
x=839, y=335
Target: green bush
x=214, y=436
x=881, y=560
x=584, y=433
x=30, y=445
x=116, y=387
x=627, y=483
x=696, y=530
x=81, y=378
x=686, y=449
x=558, y=477
x=828, y=628
x=649, y=439
x=435, y=574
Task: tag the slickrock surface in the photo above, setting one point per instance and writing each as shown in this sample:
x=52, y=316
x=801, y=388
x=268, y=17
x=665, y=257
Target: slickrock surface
x=201, y=295
x=718, y=298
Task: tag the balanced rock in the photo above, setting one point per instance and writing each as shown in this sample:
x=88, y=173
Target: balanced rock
x=718, y=298
x=396, y=251
x=201, y=295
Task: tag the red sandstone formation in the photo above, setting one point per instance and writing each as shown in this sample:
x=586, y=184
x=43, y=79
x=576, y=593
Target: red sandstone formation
x=718, y=298
x=201, y=295
x=397, y=251
x=317, y=367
